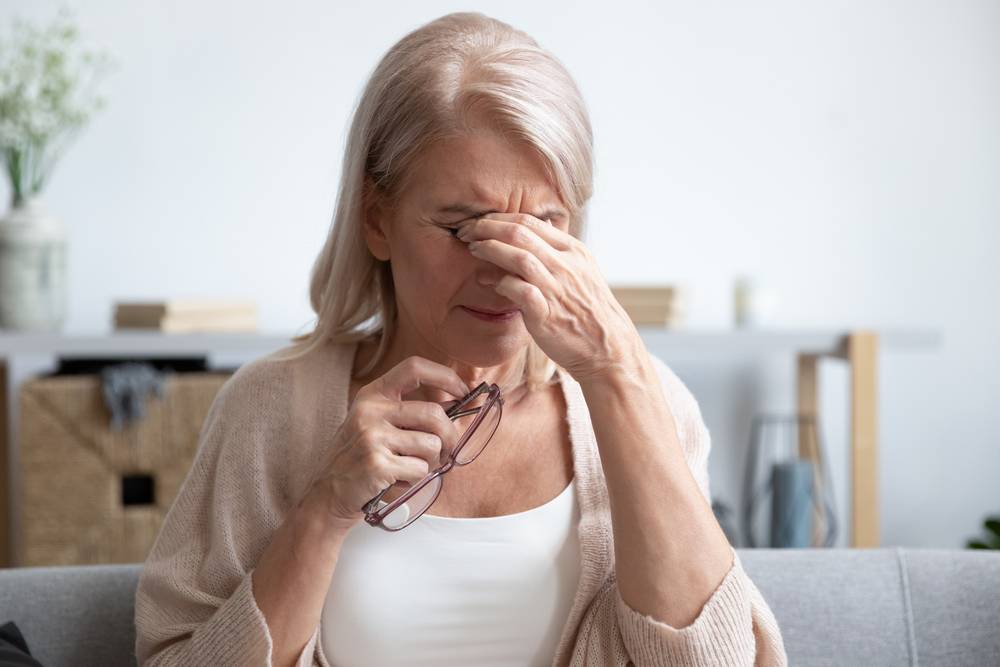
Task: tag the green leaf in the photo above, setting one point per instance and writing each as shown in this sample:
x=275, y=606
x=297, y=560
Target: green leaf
x=993, y=526
x=976, y=544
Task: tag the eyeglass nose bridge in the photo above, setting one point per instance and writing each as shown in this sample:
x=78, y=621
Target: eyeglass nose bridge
x=483, y=387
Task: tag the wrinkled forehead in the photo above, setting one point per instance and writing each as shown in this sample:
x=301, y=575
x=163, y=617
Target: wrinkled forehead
x=483, y=173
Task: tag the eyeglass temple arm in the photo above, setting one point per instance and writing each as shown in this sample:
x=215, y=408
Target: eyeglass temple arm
x=463, y=413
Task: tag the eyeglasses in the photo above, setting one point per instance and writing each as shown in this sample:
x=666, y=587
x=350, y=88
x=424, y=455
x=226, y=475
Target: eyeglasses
x=479, y=413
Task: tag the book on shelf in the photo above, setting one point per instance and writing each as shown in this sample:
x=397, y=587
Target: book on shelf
x=652, y=305
x=187, y=315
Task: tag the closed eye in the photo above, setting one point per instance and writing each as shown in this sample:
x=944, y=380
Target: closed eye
x=453, y=230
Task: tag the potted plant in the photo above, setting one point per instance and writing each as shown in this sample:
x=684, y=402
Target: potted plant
x=47, y=96
x=992, y=535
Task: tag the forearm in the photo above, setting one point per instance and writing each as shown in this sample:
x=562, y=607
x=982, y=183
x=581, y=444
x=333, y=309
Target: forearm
x=670, y=551
x=292, y=577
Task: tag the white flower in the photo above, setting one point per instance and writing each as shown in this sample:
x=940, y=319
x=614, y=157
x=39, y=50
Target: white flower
x=46, y=96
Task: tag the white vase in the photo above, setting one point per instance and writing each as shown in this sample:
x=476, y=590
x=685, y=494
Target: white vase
x=32, y=269
x=754, y=304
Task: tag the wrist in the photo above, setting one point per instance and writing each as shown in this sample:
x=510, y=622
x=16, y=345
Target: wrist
x=313, y=518
x=629, y=401
x=630, y=372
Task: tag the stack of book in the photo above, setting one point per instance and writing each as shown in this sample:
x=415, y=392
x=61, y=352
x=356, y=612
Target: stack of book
x=187, y=315
x=647, y=305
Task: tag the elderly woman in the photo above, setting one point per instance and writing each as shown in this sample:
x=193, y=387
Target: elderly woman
x=472, y=459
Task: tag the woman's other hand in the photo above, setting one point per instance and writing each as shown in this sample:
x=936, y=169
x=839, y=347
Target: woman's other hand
x=385, y=439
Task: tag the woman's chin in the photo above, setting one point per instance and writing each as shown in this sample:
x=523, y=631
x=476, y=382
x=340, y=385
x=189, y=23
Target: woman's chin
x=487, y=351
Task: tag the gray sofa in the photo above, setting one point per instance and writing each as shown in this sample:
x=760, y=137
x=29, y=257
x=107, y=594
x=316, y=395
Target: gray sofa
x=835, y=607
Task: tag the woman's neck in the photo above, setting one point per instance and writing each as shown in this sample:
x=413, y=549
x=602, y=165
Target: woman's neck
x=507, y=375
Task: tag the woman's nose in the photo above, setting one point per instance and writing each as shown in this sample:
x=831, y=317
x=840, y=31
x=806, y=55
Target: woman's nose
x=488, y=274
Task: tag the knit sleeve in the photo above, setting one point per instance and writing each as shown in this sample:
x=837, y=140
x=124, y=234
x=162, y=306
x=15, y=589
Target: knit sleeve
x=194, y=603
x=734, y=627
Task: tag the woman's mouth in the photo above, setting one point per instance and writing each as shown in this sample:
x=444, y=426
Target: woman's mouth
x=492, y=316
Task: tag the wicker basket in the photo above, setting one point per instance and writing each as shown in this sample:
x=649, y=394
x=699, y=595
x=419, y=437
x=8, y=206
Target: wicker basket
x=92, y=495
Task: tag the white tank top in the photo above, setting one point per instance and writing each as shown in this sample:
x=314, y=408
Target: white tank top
x=455, y=591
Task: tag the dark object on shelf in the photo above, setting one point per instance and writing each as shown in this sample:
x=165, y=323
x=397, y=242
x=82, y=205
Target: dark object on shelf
x=794, y=479
x=93, y=365
x=126, y=387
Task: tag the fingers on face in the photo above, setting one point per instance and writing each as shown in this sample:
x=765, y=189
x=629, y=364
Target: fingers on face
x=521, y=262
x=520, y=230
x=547, y=230
x=533, y=304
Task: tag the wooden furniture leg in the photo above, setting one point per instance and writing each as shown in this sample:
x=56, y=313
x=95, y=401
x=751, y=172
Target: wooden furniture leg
x=862, y=354
x=860, y=350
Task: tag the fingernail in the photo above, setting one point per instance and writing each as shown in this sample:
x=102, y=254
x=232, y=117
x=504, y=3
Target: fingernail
x=473, y=246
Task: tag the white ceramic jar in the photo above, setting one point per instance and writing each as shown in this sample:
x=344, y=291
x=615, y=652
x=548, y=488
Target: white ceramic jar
x=32, y=269
x=753, y=304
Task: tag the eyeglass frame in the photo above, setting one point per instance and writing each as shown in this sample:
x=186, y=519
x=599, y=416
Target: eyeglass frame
x=374, y=517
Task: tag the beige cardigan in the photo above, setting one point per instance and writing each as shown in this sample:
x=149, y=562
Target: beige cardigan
x=266, y=428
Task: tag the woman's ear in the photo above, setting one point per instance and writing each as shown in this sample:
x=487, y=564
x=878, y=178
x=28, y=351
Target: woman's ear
x=374, y=221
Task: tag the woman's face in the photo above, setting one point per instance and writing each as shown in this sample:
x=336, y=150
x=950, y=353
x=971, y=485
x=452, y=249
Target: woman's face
x=440, y=286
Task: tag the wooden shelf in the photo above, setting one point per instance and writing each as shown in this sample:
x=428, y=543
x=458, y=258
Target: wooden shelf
x=695, y=341
x=755, y=342
x=139, y=343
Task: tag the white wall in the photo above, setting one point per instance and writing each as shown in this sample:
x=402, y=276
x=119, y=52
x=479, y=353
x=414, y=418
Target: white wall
x=847, y=153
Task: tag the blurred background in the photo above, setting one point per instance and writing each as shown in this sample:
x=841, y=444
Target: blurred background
x=844, y=157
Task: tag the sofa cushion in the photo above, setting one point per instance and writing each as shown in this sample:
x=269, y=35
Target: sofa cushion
x=77, y=615
x=955, y=600
x=836, y=606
